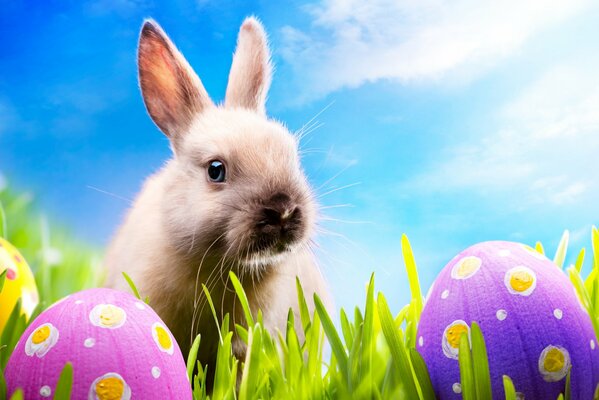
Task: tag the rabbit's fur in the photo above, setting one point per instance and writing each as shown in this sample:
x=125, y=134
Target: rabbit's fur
x=185, y=230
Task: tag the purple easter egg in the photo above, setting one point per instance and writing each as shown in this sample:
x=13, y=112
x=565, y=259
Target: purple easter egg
x=118, y=346
x=534, y=326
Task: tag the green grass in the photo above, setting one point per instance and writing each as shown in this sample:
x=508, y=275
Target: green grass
x=369, y=353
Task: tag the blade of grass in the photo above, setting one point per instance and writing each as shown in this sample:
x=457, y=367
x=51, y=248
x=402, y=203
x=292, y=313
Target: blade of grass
x=466, y=369
x=3, y=224
x=2, y=385
x=368, y=334
x=346, y=329
x=242, y=333
x=242, y=298
x=225, y=373
x=332, y=335
x=250, y=379
x=562, y=248
x=422, y=376
x=398, y=352
x=595, y=245
x=211, y=304
x=482, y=376
x=192, y=356
x=580, y=260
x=8, y=332
x=65, y=383
x=17, y=395
x=568, y=392
x=19, y=328
x=412, y=271
x=508, y=388
x=539, y=248
x=131, y=285
x=303, y=306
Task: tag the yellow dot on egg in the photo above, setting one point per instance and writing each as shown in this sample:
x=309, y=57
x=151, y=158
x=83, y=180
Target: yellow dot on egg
x=41, y=334
x=111, y=388
x=454, y=334
x=466, y=267
x=554, y=360
x=521, y=281
x=111, y=316
x=164, y=340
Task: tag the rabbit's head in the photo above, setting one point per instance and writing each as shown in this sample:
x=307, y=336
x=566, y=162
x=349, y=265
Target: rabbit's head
x=235, y=187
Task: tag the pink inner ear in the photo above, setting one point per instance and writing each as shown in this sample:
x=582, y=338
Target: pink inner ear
x=166, y=72
x=169, y=92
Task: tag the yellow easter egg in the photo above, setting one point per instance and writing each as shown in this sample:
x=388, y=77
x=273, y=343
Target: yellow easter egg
x=19, y=283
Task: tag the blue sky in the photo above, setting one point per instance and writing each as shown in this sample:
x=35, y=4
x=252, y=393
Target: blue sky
x=454, y=122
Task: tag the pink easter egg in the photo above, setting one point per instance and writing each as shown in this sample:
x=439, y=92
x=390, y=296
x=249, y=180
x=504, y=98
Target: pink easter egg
x=118, y=346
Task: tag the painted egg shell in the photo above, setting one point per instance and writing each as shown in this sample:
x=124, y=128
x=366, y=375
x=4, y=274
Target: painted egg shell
x=19, y=283
x=119, y=348
x=534, y=326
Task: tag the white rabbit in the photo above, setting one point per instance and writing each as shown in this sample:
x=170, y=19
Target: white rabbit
x=233, y=197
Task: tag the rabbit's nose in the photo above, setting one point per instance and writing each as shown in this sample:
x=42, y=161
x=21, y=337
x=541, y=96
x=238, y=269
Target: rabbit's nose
x=280, y=216
x=279, y=213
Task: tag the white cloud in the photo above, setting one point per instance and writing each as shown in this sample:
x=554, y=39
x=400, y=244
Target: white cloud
x=545, y=151
x=352, y=42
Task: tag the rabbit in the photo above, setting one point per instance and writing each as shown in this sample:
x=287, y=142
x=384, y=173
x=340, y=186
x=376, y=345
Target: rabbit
x=233, y=197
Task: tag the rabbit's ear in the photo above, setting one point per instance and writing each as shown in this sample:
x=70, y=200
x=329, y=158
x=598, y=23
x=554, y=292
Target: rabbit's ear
x=171, y=90
x=251, y=71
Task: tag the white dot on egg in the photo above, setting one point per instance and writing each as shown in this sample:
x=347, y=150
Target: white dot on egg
x=457, y=388
x=45, y=391
x=504, y=253
x=592, y=344
x=89, y=342
x=445, y=294
x=140, y=305
x=156, y=372
x=501, y=314
x=557, y=313
x=78, y=301
x=420, y=341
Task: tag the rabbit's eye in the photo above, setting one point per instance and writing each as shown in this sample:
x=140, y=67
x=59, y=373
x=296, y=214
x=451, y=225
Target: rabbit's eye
x=216, y=171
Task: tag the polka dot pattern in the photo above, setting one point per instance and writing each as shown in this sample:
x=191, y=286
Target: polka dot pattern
x=45, y=391
x=19, y=283
x=528, y=313
x=501, y=314
x=99, y=331
x=457, y=388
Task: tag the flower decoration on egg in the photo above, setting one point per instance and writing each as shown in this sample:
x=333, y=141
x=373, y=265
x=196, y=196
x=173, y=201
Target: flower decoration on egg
x=466, y=267
x=554, y=363
x=41, y=340
x=110, y=386
x=107, y=316
x=520, y=280
x=526, y=308
x=451, y=338
x=162, y=338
